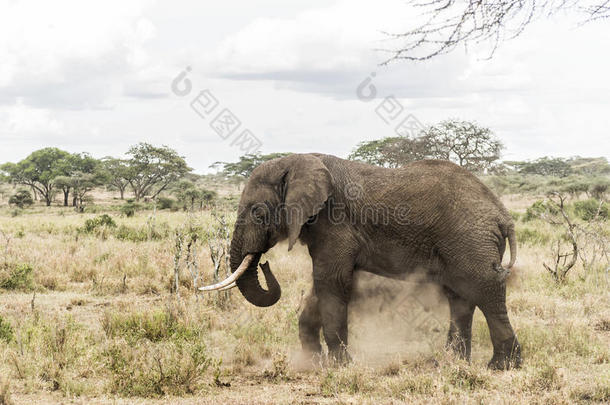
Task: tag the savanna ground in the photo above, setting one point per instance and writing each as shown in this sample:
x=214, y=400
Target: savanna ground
x=90, y=316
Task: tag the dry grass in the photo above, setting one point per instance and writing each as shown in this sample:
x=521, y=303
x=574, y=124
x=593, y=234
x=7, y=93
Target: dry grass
x=97, y=323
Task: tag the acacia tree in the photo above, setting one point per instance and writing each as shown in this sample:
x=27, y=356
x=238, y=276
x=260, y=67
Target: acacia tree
x=39, y=171
x=86, y=174
x=72, y=171
x=246, y=163
x=545, y=166
x=465, y=143
x=117, y=172
x=473, y=147
x=389, y=152
x=447, y=24
x=151, y=169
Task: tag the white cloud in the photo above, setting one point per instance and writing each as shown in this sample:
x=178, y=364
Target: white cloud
x=20, y=120
x=70, y=53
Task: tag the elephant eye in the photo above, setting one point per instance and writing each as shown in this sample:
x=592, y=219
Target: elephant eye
x=260, y=213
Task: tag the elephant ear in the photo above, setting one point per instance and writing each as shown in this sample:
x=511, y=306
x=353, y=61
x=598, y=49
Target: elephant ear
x=307, y=187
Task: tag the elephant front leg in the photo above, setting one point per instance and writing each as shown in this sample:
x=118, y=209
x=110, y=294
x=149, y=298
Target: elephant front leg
x=333, y=298
x=460, y=328
x=310, y=323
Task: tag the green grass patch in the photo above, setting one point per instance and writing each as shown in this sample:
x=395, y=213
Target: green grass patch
x=155, y=326
x=16, y=277
x=6, y=331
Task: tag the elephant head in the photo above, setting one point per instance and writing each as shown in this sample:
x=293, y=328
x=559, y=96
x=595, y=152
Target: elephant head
x=278, y=199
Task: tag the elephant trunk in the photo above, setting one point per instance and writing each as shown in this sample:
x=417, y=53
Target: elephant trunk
x=248, y=282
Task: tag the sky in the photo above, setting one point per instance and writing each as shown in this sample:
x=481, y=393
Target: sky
x=99, y=77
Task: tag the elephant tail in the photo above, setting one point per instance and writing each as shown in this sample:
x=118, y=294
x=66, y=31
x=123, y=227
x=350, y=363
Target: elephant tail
x=512, y=242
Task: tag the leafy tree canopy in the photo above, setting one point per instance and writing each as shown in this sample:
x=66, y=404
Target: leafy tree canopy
x=545, y=166
x=246, y=164
x=39, y=170
x=464, y=143
x=152, y=169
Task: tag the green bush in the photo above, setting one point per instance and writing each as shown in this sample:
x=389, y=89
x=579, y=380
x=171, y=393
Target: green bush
x=17, y=277
x=93, y=224
x=6, y=331
x=599, y=189
x=22, y=199
x=130, y=208
x=165, y=203
x=588, y=209
x=538, y=209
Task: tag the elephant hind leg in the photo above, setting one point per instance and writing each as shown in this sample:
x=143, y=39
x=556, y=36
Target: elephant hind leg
x=507, y=351
x=460, y=327
x=310, y=324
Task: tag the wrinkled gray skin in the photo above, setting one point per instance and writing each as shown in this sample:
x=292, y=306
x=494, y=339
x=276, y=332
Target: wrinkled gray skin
x=430, y=214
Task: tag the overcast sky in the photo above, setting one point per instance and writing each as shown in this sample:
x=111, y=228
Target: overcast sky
x=97, y=76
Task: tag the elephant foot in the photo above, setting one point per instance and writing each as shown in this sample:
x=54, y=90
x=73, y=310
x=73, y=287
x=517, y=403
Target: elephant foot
x=310, y=343
x=339, y=356
x=507, y=356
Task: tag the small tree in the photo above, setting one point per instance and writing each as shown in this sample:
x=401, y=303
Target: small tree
x=564, y=260
x=188, y=195
x=152, y=169
x=587, y=240
x=22, y=199
x=117, y=174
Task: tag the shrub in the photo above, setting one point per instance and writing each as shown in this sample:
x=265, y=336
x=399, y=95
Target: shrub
x=22, y=199
x=6, y=331
x=599, y=189
x=93, y=224
x=149, y=371
x=16, y=277
x=538, y=209
x=165, y=203
x=130, y=208
x=588, y=209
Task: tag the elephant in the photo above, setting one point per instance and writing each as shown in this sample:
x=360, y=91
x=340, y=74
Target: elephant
x=429, y=214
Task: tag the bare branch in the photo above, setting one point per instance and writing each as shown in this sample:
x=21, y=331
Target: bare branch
x=450, y=23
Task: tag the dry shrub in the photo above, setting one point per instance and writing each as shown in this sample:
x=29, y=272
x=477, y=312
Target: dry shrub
x=153, y=370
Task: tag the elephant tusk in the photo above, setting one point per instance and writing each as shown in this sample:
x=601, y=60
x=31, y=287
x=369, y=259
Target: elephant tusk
x=232, y=285
x=233, y=277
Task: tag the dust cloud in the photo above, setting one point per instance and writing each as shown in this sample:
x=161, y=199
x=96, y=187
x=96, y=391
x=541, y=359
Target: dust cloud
x=392, y=320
